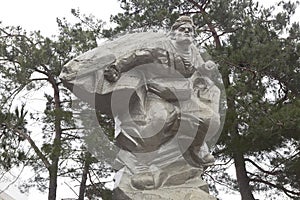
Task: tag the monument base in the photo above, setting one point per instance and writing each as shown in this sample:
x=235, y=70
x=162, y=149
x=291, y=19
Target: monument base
x=184, y=183
x=171, y=193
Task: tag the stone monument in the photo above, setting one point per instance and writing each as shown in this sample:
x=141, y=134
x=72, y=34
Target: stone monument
x=165, y=100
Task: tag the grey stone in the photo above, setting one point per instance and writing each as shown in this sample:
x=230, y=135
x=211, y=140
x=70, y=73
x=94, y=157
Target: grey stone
x=193, y=187
x=165, y=100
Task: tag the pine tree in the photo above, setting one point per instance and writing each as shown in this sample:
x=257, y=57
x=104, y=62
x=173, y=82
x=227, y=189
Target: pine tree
x=29, y=68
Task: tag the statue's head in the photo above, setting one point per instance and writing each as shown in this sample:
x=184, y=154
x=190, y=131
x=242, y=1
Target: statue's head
x=182, y=20
x=183, y=30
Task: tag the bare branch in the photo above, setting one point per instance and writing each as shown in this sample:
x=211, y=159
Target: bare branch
x=71, y=188
x=39, y=79
x=16, y=178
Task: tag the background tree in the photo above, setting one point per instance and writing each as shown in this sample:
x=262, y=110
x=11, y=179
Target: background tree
x=258, y=52
x=29, y=66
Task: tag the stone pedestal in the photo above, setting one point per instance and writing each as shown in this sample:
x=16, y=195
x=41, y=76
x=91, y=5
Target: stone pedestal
x=176, y=182
x=171, y=193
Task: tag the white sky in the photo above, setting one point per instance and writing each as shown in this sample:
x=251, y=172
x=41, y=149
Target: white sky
x=41, y=15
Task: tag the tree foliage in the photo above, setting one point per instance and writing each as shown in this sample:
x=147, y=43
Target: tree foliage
x=29, y=68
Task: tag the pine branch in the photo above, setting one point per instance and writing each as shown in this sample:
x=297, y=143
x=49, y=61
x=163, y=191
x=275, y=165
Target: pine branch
x=41, y=71
x=219, y=182
x=35, y=147
x=93, y=184
x=191, y=12
x=72, y=128
x=16, y=35
x=71, y=137
x=289, y=193
x=208, y=22
x=273, y=173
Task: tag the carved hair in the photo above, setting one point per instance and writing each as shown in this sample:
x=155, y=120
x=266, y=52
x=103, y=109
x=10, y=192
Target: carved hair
x=182, y=20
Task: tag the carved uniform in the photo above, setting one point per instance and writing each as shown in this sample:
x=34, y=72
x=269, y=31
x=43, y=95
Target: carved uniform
x=173, y=97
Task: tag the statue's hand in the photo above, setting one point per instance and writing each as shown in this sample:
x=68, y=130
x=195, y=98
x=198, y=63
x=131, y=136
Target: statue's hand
x=112, y=73
x=209, y=65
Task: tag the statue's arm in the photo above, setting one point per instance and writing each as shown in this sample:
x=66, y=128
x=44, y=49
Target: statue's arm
x=207, y=92
x=137, y=58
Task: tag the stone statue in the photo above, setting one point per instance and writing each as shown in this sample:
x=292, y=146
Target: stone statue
x=165, y=102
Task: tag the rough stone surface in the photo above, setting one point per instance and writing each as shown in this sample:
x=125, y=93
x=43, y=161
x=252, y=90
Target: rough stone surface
x=180, y=182
x=165, y=193
x=165, y=100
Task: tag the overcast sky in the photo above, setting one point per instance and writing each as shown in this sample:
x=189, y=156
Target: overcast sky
x=41, y=15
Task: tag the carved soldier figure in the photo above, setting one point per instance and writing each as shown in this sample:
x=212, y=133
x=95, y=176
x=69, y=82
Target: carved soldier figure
x=164, y=101
x=178, y=73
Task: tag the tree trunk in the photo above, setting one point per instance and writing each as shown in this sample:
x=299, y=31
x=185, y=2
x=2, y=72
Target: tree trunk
x=84, y=176
x=239, y=160
x=56, y=151
x=242, y=177
x=52, y=184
